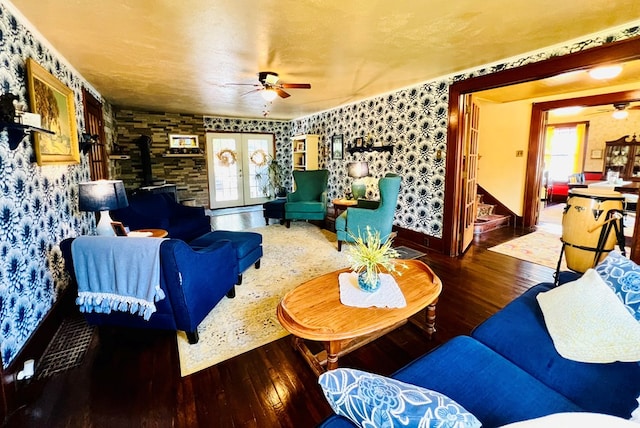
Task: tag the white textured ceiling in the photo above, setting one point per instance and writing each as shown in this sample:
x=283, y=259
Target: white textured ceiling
x=172, y=55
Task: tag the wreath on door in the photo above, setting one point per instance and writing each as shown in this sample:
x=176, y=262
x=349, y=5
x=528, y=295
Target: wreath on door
x=227, y=157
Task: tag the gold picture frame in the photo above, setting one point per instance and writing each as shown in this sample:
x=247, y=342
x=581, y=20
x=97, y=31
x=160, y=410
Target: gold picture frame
x=54, y=102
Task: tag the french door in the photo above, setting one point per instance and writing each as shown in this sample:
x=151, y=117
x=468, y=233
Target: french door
x=471, y=132
x=237, y=165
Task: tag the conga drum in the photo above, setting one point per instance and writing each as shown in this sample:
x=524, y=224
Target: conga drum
x=589, y=225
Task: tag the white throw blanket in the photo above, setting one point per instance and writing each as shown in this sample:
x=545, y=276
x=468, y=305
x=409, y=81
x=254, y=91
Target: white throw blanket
x=117, y=273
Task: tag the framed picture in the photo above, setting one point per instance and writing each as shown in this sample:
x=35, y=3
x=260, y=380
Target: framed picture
x=183, y=141
x=596, y=154
x=337, y=147
x=53, y=101
x=359, y=142
x=118, y=228
x=300, y=146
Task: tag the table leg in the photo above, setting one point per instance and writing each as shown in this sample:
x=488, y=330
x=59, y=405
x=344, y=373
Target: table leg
x=333, y=350
x=431, y=319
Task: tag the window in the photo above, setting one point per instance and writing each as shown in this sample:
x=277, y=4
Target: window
x=564, y=150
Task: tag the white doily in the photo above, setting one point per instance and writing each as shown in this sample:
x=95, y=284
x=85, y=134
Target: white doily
x=388, y=295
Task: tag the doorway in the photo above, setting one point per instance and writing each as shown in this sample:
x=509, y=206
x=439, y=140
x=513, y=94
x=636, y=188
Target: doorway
x=625, y=50
x=237, y=165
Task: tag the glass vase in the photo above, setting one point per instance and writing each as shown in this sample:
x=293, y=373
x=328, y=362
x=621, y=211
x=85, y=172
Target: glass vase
x=365, y=284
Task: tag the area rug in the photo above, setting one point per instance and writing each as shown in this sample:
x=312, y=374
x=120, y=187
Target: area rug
x=291, y=257
x=539, y=247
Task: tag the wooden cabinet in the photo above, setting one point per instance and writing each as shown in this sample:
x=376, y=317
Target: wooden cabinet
x=305, y=152
x=623, y=155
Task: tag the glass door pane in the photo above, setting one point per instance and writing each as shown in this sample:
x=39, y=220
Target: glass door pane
x=224, y=155
x=259, y=151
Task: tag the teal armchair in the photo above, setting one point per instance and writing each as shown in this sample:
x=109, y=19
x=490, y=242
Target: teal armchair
x=378, y=217
x=309, y=201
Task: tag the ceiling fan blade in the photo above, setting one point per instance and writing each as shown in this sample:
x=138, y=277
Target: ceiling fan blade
x=251, y=92
x=282, y=93
x=255, y=85
x=296, y=85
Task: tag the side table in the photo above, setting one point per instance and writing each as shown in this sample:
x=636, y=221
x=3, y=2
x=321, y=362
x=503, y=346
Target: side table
x=339, y=205
x=154, y=233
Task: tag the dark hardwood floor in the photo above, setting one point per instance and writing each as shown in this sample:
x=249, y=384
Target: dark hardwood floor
x=132, y=378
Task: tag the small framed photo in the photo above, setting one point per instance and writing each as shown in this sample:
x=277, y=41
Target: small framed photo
x=359, y=142
x=596, y=154
x=183, y=141
x=118, y=228
x=300, y=146
x=337, y=147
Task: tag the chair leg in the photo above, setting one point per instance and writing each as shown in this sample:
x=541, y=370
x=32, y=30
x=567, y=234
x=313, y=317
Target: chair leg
x=339, y=245
x=239, y=279
x=257, y=264
x=232, y=292
x=288, y=223
x=192, y=337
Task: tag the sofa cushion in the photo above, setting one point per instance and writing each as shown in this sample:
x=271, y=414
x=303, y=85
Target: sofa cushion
x=518, y=332
x=588, y=323
x=372, y=400
x=623, y=277
x=575, y=420
x=483, y=382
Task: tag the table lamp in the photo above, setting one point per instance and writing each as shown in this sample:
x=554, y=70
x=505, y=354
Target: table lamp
x=357, y=170
x=102, y=195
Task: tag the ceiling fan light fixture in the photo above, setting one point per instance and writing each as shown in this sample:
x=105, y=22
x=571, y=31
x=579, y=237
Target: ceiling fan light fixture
x=268, y=94
x=620, y=114
x=605, y=72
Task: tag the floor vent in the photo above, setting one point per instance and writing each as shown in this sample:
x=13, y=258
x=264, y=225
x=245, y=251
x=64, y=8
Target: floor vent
x=67, y=348
x=407, y=253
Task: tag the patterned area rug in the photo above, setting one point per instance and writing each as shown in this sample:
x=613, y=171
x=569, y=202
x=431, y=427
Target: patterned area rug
x=540, y=247
x=291, y=257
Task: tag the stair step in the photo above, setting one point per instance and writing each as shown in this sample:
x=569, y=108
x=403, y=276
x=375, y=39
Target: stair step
x=490, y=222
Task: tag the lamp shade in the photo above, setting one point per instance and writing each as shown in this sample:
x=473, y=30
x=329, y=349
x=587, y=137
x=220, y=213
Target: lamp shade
x=102, y=195
x=358, y=169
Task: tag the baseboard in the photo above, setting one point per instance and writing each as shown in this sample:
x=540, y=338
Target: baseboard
x=34, y=349
x=417, y=240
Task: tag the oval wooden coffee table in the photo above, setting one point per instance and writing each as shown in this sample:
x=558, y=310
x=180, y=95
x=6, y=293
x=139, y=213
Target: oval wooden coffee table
x=313, y=311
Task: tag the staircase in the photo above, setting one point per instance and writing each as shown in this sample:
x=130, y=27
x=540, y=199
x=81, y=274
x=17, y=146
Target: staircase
x=486, y=219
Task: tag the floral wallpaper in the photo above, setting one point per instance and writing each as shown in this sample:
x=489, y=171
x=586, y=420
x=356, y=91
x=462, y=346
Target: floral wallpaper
x=38, y=205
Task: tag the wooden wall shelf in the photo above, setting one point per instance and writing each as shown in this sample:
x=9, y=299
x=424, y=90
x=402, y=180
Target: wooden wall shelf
x=17, y=131
x=353, y=150
x=182, y=155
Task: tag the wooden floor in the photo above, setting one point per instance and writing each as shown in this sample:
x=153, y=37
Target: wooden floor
x=132, y=379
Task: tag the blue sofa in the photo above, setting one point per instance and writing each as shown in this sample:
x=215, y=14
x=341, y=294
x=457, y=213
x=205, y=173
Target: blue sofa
x=508, y=370
x=161, y=211
x=193, y=281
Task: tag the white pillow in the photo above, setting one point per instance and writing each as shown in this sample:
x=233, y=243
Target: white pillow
x=574, y=420
x=588, y=323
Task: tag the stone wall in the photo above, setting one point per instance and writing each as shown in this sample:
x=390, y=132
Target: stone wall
x=188, y=173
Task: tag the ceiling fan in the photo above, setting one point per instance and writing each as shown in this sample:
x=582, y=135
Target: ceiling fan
x=271, y=86
x=624, y=106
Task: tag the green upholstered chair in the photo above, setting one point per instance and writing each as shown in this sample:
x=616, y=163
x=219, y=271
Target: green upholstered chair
x=309, y=201
x=379, y=217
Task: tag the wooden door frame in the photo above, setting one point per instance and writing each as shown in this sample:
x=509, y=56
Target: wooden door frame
x=625, y=50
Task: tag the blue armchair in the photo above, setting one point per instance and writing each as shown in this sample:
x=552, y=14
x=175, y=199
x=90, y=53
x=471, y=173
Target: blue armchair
x=378, y=217
x=309, y=201
x=193, y=281
x=161, y=211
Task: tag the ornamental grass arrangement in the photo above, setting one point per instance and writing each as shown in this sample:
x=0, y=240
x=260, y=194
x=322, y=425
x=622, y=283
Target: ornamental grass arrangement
x=369, y=257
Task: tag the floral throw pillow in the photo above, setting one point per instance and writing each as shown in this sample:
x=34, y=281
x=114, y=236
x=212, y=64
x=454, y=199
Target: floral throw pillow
x=623, y=277
x=373, y=401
